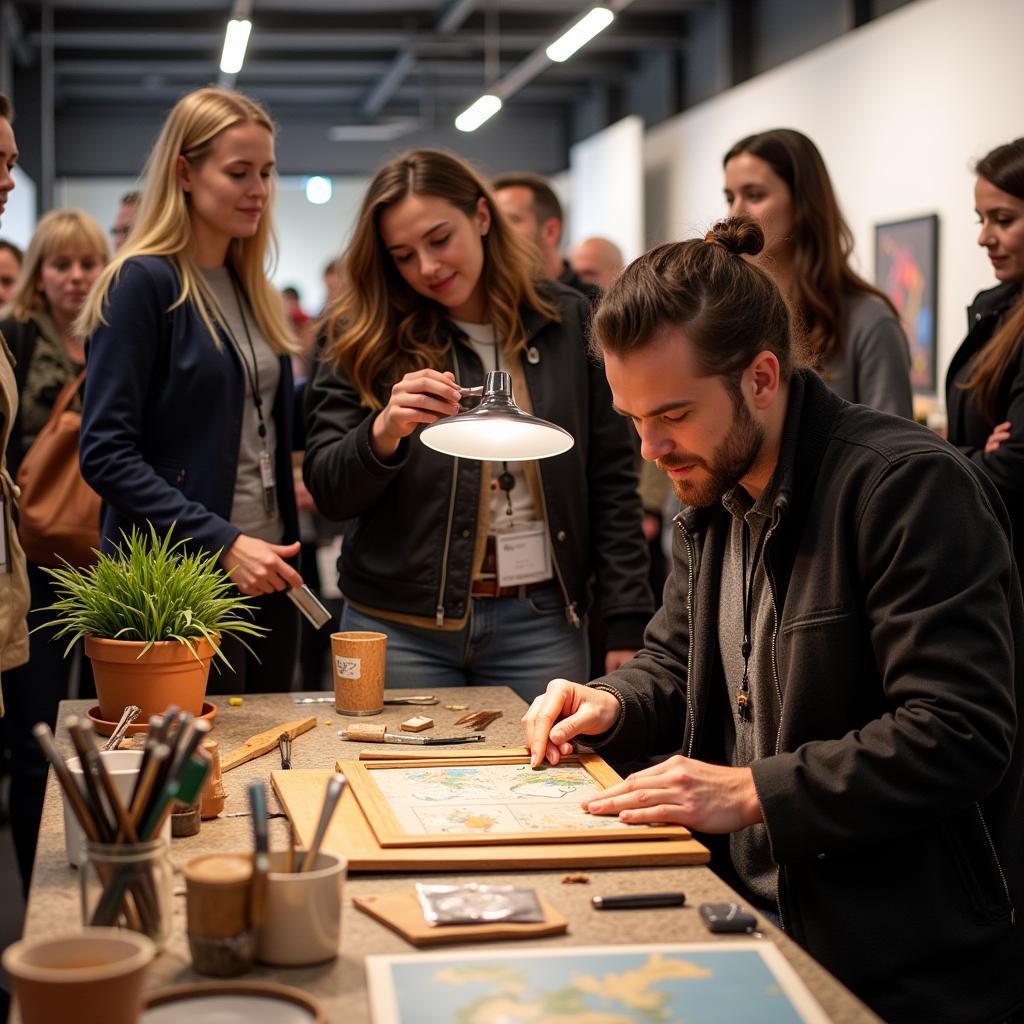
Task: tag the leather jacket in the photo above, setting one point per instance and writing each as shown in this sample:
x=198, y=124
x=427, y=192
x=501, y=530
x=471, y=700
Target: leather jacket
x=414, y=534
x=894, y=799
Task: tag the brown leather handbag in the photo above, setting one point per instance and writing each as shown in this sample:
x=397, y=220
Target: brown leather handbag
x=59, y=513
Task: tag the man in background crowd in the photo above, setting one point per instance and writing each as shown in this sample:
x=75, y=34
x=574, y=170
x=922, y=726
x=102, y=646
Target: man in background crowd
x=531, y=205
x=125, y=218
x=598, y=261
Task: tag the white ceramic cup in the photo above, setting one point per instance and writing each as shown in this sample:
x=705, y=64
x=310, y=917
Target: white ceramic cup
x=123, y=767
x=302, y=918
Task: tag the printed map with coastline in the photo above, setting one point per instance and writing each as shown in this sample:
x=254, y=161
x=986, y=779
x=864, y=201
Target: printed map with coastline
x=623, y=985
x=491, y=799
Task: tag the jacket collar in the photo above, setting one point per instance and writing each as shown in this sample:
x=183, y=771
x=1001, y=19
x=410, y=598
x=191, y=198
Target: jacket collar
x=995, y=301
x=810, y=413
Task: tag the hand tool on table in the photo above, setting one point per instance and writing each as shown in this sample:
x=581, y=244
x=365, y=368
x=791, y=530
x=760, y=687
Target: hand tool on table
x=128, y=716
x=335, y=786
x=261, y=856
x=284, y=741
x=379, y=734
x=264, y=742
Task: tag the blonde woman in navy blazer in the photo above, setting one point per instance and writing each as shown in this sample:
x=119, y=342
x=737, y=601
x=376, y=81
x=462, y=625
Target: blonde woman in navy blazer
x=187, y=416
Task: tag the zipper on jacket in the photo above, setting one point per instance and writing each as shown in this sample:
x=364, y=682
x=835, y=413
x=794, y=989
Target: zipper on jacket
x=570, y=608
x=999, y=867
x=439, y=610
x=778, y=690
x=691, y=577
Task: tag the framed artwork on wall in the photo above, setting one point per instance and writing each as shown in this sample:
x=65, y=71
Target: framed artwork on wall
x=907, y=270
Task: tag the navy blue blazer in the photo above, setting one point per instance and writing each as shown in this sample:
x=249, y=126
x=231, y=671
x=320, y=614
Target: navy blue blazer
x=162, y=415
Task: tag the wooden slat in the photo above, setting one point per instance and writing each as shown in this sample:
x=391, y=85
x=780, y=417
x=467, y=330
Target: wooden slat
x=264, y=742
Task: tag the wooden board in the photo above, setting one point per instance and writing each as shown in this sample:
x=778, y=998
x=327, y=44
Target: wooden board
x=402, y=913
x=393, y=752
x=389, y=830
x=264, y=742
x=301, y=793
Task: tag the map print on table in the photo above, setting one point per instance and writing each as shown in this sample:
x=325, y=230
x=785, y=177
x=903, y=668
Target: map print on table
x=696, y=983
x=491, y=799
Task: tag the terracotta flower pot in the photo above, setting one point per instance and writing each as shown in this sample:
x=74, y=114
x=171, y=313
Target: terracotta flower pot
x=168, y=673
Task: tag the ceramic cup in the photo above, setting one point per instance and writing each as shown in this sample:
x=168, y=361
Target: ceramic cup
x=92, y=977
x=357, y=663
x=302, y=915
x=123, y=768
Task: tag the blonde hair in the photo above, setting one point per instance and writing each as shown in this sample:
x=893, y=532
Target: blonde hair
x=58, y=231
x=378, y=327
x=164, y=226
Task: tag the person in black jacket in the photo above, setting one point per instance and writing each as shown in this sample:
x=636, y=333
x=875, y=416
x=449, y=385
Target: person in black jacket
x=187, y=417
x=985, y=380
x=438, y=289
x=839, y=657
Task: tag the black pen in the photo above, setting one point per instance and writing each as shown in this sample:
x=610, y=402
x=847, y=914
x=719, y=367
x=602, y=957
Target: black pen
x=637, y=900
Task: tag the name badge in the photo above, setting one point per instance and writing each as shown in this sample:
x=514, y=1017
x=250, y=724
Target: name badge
x=523, y=555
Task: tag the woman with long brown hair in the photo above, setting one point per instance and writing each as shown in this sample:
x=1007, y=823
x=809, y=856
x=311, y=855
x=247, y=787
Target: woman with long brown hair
x=985, y=380
x=851, y=330
x=437, y=290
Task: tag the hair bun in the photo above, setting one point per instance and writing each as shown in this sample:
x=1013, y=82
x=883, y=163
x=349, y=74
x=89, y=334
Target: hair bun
x=739, y=236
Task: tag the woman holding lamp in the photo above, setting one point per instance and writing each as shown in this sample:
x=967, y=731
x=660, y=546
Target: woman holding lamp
x=477, y=571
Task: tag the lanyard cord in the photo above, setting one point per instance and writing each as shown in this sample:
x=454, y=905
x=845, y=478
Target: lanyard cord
x=743, y=699
x=252, y=374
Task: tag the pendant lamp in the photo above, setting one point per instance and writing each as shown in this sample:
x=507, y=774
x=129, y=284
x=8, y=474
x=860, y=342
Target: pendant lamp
x=497, y=430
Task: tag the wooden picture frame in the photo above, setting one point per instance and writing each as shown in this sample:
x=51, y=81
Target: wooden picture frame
x=397, y=823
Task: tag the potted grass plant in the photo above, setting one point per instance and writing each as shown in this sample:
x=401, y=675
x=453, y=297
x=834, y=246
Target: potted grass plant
x=152, y=615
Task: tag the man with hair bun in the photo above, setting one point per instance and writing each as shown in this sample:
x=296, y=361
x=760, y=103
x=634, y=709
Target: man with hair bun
x=840, y=665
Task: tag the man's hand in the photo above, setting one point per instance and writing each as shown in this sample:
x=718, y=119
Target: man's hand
x=680, y=791
x=563, y=711
x=257, y=567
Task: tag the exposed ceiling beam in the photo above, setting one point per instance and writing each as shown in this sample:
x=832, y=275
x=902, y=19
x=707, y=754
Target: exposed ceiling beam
x=345, y=42
x=455, y=14
x=389, y=83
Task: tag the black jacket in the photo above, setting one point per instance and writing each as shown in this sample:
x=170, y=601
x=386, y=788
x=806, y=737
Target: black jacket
x=969, y=428
x=893, y=803
x=162, y=416
x=412, y=531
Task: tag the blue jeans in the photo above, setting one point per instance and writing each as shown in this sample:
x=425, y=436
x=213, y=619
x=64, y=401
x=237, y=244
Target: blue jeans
x=521, y=642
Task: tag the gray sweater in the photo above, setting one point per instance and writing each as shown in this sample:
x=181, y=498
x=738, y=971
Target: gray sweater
x=873, y=364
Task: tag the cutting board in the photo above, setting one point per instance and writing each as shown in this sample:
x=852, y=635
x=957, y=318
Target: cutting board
x=301, y=793
x=402, y=913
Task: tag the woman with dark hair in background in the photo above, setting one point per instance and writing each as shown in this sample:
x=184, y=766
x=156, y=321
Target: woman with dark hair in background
x=64, y=258
x=437, y=290
x=985, y=380
x=853, y=335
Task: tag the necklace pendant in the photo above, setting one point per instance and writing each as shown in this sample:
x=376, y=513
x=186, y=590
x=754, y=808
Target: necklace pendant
x=743, y=704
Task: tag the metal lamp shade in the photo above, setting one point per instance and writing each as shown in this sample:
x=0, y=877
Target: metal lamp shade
x=497, y=430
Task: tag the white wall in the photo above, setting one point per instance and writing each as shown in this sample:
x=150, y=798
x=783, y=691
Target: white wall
x=606, y=187
x=308, y=235
x=899, y=109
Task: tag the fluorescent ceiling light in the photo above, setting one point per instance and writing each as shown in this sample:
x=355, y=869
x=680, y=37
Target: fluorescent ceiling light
x=318, y=190
x=474, y=116
x=236, y=38
x=582, y=32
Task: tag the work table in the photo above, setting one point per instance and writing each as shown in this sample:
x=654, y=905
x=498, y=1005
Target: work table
x=340, y=987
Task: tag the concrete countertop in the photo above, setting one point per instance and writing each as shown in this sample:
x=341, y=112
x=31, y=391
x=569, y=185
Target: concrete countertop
x=53, y=905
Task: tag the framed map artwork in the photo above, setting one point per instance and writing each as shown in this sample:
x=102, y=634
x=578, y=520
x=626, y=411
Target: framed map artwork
x=475, y=801
x=699, y=983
